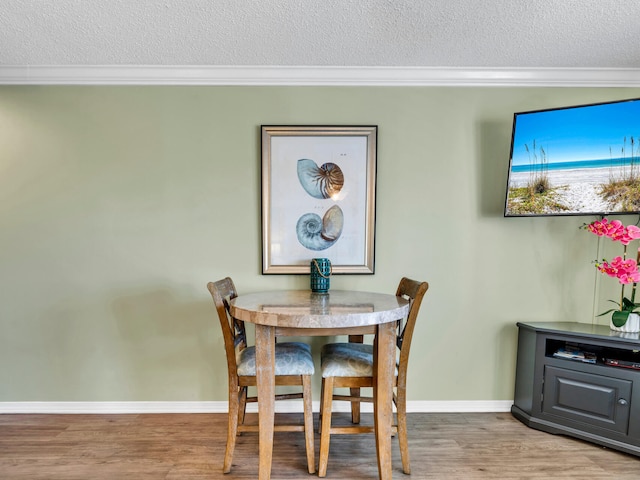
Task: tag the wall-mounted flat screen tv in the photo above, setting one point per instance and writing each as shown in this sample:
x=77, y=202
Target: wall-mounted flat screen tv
x=578, y=160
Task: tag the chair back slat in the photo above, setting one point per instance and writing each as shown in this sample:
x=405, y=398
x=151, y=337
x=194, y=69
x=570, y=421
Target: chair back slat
x=233, y=330
x=413, y=291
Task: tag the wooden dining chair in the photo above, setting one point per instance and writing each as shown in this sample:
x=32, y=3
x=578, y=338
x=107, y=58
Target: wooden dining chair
x=293, y=367
x=351, y=365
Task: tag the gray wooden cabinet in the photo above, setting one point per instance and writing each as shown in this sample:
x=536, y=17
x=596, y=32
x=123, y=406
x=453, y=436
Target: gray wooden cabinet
x=596, y=402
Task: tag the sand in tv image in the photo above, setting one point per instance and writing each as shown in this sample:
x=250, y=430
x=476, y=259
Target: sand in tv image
x=575, y=160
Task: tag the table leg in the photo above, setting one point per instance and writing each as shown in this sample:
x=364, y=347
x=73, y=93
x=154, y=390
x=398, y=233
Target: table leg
x=265, y=381
x=384, y=362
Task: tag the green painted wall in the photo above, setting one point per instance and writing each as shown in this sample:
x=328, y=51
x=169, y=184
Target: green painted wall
x=118, y=204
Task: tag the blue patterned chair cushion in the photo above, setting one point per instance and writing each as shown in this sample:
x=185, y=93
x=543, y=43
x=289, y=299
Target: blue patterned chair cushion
x=347, y=360
x=292, y=358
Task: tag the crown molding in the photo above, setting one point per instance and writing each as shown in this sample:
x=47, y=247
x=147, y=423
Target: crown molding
x=419, y=406
x=315, y=76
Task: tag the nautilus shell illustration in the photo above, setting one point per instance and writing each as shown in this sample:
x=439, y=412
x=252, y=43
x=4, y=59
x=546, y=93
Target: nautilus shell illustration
x=317, y=233
x=320, y=182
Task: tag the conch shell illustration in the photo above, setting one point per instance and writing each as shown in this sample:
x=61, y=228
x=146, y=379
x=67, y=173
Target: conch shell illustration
x=320, y=182
x=317, y=233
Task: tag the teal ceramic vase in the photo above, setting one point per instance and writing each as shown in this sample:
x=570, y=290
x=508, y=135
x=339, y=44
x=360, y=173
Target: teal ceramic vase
x=320, y=269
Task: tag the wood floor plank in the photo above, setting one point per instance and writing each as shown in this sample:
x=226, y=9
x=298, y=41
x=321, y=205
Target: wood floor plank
x=469, y=446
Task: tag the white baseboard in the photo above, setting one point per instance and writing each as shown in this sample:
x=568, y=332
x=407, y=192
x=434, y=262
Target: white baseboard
x=416, y=406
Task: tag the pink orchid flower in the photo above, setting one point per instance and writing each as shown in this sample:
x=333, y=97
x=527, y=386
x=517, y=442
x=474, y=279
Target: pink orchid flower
x=625, y=270
x=604, y=227
x=615, y=230
x=625, y=278
x=633, y=232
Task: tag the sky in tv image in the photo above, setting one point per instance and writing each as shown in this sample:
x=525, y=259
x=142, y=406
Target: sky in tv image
x=590, y=135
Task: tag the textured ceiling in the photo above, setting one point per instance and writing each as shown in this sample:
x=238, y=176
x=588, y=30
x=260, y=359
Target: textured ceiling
x=420, y=33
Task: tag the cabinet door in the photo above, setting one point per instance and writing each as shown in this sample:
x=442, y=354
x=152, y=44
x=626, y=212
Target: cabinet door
x=584, y=397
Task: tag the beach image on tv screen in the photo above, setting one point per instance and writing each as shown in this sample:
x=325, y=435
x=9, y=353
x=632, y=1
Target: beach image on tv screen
x=576, y=161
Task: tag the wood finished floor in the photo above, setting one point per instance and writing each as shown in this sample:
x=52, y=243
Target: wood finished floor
x=191, y=446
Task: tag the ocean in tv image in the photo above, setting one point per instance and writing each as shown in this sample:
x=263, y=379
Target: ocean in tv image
x=576, y=160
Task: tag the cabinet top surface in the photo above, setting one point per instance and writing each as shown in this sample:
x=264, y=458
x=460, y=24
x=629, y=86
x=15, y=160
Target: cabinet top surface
x=581, y=329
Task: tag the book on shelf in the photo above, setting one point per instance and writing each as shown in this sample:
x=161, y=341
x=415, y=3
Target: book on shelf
x=614, y=362
x=572, y=353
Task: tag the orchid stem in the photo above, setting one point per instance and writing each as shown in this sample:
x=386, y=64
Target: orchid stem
x=624, y=257
x=633, y=288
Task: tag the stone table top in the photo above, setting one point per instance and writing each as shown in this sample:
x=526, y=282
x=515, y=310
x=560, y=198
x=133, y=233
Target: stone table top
x=305, y=309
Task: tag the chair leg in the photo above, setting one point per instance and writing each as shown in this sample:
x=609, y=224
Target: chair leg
x=232, y=429
x=321, y=402
x=355, y=392
x=355, y=405
x=327, y=397
x=308, y=423
x=401, y=406
x=242, y=408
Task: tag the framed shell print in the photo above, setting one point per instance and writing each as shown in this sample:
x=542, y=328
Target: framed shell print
x=318, y=198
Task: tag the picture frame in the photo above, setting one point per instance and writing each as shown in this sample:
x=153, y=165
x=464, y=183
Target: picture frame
x=318, y=198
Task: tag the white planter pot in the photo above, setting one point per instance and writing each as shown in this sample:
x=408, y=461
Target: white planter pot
x=632, y=325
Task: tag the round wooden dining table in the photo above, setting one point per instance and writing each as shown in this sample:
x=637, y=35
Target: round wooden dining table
x=338, y=312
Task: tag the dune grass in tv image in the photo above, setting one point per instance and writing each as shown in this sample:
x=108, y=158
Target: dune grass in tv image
x=578, y=160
